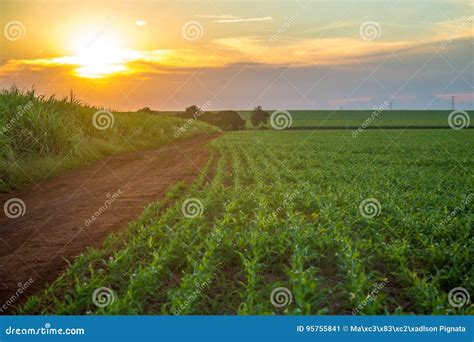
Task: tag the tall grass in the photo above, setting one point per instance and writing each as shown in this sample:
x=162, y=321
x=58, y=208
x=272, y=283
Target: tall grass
x=41, y=137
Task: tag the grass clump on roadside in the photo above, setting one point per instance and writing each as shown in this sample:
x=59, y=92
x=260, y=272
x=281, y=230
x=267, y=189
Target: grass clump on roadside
x=41, y=137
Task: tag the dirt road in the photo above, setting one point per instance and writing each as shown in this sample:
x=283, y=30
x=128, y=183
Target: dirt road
x=54, y=228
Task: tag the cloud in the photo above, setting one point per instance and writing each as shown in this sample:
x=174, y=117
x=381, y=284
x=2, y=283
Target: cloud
x=460, y=97
x=336, y=25
x=217, y=53
x=218, y=16
x=242, y=20
x=305, y=51
x=340, y=53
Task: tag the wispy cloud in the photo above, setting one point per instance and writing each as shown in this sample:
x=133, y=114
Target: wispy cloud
x=331, y=26
x=242, y=20
x=216, y=16
x=460, y=97
x=228, y=51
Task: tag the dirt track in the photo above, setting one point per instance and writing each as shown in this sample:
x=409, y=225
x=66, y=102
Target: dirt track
x=54, y=225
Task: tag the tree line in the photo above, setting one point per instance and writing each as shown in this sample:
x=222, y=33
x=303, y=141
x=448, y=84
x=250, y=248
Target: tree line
x=228, y=120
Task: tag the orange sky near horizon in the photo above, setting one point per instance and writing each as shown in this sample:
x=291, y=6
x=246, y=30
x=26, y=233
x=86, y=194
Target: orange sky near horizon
x=141, y=53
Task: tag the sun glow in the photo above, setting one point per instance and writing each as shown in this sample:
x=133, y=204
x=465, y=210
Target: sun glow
x=98, y=56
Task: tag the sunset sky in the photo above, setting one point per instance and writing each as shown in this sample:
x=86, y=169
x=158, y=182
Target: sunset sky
x=238, y=54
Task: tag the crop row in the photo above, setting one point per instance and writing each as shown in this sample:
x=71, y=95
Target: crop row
x=279, y=227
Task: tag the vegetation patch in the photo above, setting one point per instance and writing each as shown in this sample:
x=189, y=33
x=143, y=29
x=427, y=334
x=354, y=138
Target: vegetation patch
x=41, y=137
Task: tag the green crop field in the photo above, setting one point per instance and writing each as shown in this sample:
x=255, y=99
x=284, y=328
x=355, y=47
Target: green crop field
x=354, y=118
x=295, y=222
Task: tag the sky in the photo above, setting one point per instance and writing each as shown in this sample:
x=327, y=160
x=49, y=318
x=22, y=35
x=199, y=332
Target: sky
x=168, y=55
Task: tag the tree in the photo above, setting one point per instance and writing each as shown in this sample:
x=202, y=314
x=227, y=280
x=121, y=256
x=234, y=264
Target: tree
x=259, y=116
x=145, y=109
x=192, y=112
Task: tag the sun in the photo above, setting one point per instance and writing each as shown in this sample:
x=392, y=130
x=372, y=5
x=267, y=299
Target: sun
x=98, y=55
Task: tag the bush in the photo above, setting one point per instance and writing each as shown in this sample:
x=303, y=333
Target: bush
x=228, y=120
